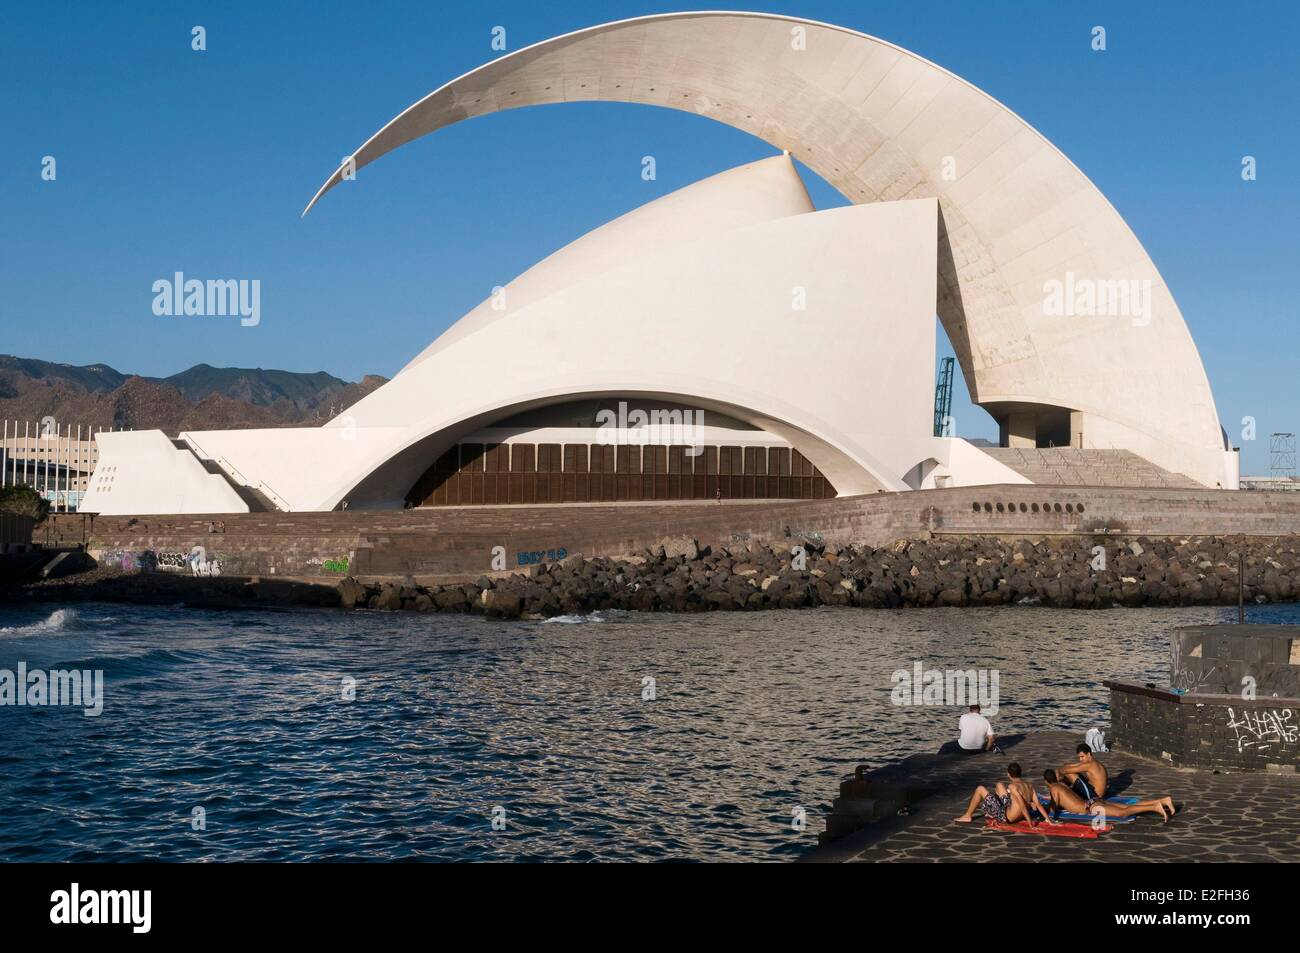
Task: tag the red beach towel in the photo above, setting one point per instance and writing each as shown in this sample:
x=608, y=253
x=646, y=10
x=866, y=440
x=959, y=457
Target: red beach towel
x=1082, y=831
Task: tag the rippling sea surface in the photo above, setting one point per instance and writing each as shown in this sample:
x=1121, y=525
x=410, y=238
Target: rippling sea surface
x=243, y=714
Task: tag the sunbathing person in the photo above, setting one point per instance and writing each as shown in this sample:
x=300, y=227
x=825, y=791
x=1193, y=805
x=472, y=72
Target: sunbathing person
x=1062, y=798
x=1007, y=803
x=1086, y=776
x=1028, y=793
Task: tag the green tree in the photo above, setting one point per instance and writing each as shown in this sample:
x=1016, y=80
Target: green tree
x=24, y=501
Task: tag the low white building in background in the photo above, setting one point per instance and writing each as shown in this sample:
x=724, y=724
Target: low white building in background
x=743, y=343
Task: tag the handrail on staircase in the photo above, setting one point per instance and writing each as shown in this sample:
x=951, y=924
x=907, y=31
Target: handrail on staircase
x=236, y=474
x=276, y=498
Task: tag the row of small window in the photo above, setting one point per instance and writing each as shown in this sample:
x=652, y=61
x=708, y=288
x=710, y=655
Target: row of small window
x=1030, y=508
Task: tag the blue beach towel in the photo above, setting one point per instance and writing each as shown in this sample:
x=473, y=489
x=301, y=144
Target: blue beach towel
x=1087, y=818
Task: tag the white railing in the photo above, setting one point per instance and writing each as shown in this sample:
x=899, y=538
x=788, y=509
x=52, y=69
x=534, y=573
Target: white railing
x=238, y=477
x=262, y=485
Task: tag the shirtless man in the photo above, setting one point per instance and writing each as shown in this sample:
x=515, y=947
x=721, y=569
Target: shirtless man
x=1007, y=803
x=1062, y=798
x=1087, y=776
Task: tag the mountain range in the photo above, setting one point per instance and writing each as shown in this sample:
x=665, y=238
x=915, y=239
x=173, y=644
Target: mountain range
x=201, y=398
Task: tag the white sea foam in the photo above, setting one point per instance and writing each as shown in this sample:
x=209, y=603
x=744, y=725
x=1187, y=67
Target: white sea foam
x=58, y=621
x=600, y=615
x=575, y=619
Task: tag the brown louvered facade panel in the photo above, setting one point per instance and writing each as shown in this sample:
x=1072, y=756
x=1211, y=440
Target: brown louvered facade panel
x=731, y=467
x=497, y=457
x=756, y=472
x=550, y=460
x=603, y=487
x=628, y=476
x=654, y=461
x=575, y=458
x=491, y=474
x=523, y=458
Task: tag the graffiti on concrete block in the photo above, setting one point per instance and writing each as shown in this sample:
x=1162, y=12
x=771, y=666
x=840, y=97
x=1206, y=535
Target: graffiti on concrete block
x=541, y=556
x=335, y=565
x=1186, y=680
x=197, y=562
x=129, y=561
x=201, y=565
x=1259, y=729
x=173, y=561
x=800, y=532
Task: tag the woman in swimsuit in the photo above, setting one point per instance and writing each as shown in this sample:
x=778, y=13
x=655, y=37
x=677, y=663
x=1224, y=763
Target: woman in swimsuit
x=1062, y=798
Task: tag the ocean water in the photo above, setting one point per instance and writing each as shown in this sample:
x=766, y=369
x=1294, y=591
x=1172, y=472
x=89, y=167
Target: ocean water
x=323, y=735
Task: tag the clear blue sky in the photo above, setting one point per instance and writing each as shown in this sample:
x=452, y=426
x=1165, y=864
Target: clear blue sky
x=172, y=160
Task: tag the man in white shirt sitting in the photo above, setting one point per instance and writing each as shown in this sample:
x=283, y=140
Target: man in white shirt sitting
x=976, y=732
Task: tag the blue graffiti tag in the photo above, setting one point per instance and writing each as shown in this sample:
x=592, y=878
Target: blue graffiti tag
x=541, y=556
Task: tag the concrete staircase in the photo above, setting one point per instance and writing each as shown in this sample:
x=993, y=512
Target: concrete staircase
x=1073, y=466
x=255, y=499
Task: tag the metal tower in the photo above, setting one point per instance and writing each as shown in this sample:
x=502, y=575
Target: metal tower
x=1282, y=448
x=943, y=400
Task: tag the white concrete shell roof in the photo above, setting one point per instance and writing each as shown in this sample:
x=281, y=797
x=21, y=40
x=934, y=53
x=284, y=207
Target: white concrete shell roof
x=815, y=328
x=881, y=124
x=708, y=318
x=746, y=195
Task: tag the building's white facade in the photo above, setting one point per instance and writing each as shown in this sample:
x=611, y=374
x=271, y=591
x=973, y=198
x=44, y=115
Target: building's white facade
x=735, y=296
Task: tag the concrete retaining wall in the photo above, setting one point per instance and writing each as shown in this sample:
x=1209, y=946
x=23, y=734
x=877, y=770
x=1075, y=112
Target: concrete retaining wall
x=463, y=539
x=1221, y=732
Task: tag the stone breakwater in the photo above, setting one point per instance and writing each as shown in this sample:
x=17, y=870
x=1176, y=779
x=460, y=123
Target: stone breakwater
x=677, y=575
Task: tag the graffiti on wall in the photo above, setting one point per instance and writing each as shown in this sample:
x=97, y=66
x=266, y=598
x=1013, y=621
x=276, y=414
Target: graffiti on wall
x=1260, y=728
x=340, y=565
x=1189, y=681
x=799, y=531
x=197, y=561
x=541, y=556
x=128, y=561
x=201, y=565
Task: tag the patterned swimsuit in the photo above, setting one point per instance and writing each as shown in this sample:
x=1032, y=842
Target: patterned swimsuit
x=995, y=808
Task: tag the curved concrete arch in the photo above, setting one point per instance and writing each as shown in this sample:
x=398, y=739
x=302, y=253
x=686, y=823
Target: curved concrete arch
x=881, y=124
x=389, y=480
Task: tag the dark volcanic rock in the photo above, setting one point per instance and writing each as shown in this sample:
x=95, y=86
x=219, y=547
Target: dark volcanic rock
x=389, y=597
x=351, y=593
x=1086, y=572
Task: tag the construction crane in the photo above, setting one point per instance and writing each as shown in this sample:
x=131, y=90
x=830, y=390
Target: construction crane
x=943, y=395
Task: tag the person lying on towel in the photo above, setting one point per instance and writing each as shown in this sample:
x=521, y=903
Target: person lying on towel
x=1086, y=776
x=1006, y=803
x=1062, y=798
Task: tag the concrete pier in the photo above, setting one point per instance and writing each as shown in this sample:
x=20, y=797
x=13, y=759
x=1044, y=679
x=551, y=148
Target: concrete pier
x=1221, y=817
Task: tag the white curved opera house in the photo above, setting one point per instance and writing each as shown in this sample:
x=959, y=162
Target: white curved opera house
x=729, y=339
